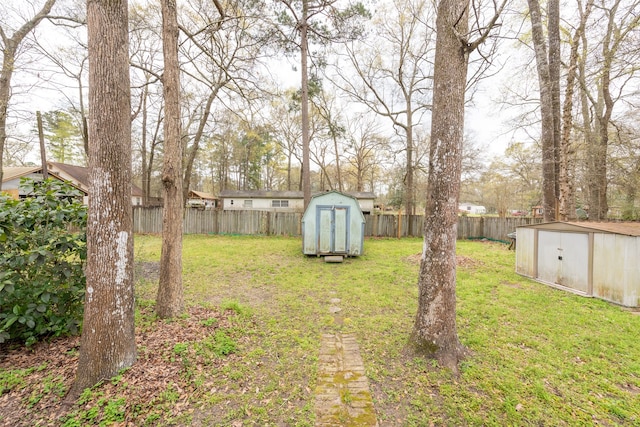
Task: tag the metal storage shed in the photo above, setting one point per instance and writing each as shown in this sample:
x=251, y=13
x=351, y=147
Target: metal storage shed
x=333, y=224
x=594, y=259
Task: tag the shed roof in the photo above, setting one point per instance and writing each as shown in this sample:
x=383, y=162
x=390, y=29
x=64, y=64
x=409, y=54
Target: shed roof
x=350, y=196
x=625, y=228
x=201, y=195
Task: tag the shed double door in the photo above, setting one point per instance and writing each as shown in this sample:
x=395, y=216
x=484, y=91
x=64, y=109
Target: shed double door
x=563, y=259
x=333, y=232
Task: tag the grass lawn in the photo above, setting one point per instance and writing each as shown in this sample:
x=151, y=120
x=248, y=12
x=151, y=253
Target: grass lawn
x=538, y=356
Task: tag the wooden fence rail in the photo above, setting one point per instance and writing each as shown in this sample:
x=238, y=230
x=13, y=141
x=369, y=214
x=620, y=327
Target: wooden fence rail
x=149, y=220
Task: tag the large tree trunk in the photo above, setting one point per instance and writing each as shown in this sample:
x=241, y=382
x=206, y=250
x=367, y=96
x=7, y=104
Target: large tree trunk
x=108, y=342
x=170, y=302
x=11, y=45
x=553, y=31
x=5, y=95
x=304, y=71
x=434, y=331
x=547, y=112
x=598, y=205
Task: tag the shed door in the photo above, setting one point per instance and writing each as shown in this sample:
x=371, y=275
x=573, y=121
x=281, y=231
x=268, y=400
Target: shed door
x=563, y=258
x=340, y=230
x=332, y=229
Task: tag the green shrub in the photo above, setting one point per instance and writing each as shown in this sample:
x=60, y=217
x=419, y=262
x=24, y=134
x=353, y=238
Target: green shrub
x=42, y=256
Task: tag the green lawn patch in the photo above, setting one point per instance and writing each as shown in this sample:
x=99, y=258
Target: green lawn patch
x=538, y=356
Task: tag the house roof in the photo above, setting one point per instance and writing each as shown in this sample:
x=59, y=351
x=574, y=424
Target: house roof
x=11, y=173
x=267, y=194
x=80, y=175
x=625, y=228
x=201, y=195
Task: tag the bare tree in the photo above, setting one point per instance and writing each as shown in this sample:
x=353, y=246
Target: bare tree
x=323, y=22
x=225, y=43
x=107, y=344
x=364, y=146
x=434, y=332
x=566, y=155
x=394, y=74
x=325, y=107
x=169, y=301
x=604, y=81
x=10, y=47
x=145, y=41
x=288, y=131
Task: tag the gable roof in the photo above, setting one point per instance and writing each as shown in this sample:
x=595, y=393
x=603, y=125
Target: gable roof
x=11, y=173
x=201, y=195
x=336, y=192
x=80, y=175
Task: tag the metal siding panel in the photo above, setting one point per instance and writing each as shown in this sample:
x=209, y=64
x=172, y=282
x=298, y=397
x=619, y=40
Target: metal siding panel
x=308, y=237
x=616, y=272
x=309, y=229
x=525, y=252
x=632, y=272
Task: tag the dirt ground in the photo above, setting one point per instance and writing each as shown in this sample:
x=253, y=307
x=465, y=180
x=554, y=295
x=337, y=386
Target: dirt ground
x=54, y=364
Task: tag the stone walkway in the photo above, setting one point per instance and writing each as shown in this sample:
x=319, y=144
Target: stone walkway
x=342, y=393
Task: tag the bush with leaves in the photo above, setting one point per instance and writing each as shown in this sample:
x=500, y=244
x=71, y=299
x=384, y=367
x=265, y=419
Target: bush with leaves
x=42, y=256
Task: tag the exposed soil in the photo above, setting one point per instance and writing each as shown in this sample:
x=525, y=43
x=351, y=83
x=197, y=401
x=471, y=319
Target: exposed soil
x=147, y=270
x=461, y=261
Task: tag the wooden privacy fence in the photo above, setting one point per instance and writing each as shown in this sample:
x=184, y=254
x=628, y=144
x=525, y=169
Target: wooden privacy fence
x=149, y=220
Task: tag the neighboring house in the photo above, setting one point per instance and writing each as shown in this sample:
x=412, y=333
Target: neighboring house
x=11, y=177
x=202, y=200
x=78, y=176
x=281, y=201
x=537, y=211
x=472, y=209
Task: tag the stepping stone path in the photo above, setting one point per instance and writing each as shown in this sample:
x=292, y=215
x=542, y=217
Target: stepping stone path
x=342, y=394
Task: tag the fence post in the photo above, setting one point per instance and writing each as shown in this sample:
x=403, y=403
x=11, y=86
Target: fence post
x=268, y=225
x=374, y=228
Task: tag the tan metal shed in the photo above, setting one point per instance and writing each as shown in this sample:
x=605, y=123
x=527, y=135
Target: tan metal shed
x=594, y=259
